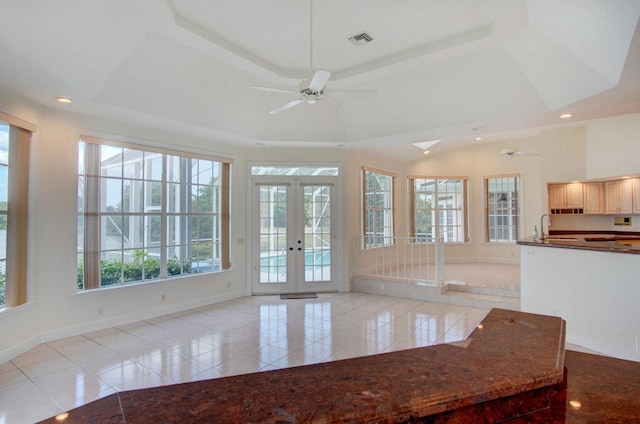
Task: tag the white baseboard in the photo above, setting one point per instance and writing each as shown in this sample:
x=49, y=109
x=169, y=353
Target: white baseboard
x=515, y=260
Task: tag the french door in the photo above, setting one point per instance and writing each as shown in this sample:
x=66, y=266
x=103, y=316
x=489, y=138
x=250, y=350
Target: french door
x=295, y=240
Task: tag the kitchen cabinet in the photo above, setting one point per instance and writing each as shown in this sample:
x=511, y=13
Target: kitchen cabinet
x=565, y=196
x=619, y=196
x=594, y=197
x=636, y=195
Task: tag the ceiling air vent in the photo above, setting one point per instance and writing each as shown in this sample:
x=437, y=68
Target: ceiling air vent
x=361, y=39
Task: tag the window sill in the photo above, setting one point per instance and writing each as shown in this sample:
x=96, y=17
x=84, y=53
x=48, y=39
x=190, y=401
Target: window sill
x=158, y=283
x=7, y=311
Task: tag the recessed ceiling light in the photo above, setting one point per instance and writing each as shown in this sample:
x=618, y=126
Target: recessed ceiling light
x=478, y=138
x=426, y=152
x=574, y=403
x=64, y=100
x=566, y=115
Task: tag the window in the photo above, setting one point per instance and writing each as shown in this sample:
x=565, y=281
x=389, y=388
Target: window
x=15, y=137
x=4, y=209
x=378, y=208
x=439, y=209
x=502, y=208
x=146, y=214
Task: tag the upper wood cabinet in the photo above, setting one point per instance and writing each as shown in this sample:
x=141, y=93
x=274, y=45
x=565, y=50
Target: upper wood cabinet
x=594, y=197
x=619, y=196
x=557, y=195
x=565, y=196
x=636, y=195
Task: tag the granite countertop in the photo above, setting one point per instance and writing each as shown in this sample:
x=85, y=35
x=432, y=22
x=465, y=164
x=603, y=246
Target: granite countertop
x=599, y=241
x=508, y=355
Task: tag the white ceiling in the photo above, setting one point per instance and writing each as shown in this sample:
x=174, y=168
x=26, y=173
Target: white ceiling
x=442, y=69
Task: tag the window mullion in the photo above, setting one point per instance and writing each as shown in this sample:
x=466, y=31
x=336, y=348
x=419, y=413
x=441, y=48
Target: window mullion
x=164, y=219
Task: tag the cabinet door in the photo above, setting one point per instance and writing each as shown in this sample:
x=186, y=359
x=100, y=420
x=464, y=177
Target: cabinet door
x=574, y=196
x=593, y=198
x=625, y=199
x=619, y=196
x=557, y=196
x=636, y=195
x=611, y=196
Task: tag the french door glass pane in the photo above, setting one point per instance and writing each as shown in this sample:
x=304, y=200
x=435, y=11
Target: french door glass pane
x=317, y=230
x=273, y=234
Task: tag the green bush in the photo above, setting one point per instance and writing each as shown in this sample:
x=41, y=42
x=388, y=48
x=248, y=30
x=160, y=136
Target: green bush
x=114, y=271
x=3, y=280
x=80, y=275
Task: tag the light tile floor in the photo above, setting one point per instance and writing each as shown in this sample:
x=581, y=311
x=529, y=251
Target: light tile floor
x=244, y=335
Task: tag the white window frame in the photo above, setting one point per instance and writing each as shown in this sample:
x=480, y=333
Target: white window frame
x=382, y=233
x=503, y=203
x=14, y=264
x=449, y=221
x=160, y=237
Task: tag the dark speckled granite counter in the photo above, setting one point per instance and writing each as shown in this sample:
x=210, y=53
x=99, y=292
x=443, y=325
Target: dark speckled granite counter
x=510, y=365
x=604, y=242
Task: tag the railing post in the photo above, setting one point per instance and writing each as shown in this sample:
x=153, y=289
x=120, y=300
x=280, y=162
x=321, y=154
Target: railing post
x=439, y=261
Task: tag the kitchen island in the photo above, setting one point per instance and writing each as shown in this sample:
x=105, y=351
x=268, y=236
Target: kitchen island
x=602, y=242
x=509, y=366
x=591, y=280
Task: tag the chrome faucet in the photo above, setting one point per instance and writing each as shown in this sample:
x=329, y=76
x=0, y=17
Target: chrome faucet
x=542, y=234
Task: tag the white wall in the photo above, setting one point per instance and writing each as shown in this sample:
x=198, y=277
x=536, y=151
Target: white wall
x=613, y=146
x=612, y=150
x=562, y=158
x=55, y=309
x=353, y=194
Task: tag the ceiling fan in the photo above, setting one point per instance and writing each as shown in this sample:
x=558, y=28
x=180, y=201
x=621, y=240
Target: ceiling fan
x=510, y=152
x=311, y=91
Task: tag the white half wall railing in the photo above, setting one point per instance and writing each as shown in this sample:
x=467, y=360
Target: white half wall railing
x=400, y=259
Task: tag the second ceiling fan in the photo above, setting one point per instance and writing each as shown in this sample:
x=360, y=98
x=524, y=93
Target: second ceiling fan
x=510, y=152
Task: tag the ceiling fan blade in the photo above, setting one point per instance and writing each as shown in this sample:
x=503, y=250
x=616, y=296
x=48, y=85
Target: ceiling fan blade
x=286, y=106
x=352, y=93
x=332, y=104
x=273, y=89
x=526, y=153
x=319, y=80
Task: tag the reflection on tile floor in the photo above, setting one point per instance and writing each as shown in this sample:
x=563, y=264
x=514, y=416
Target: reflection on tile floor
x=244, y=335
